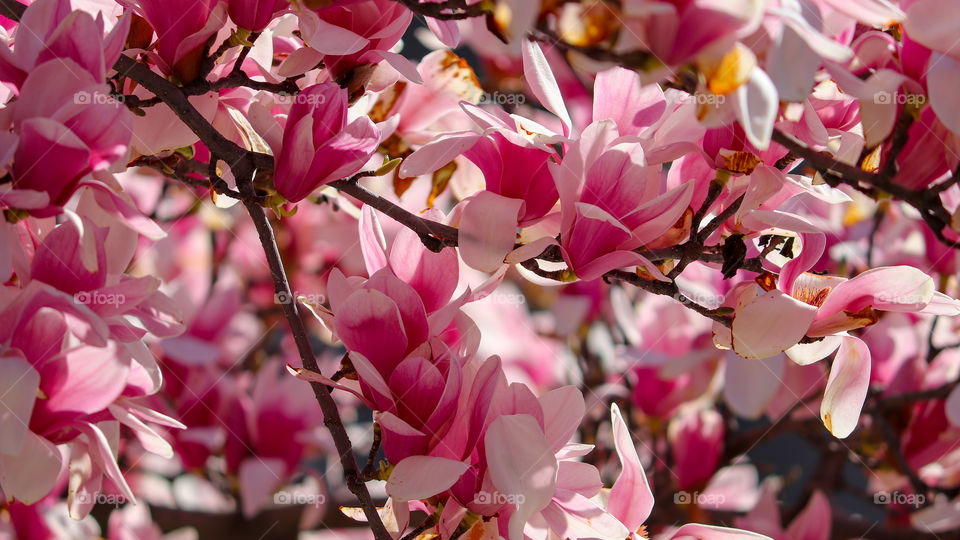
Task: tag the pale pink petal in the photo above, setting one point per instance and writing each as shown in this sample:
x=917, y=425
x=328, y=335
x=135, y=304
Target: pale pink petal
x=619, y=96
x=563, y=410
x=150, y=439
x=421, y=477
x=488, y=230
x=575, y=516
x=19, y=383
x=579, y=477
x=889, y=288
x=804, y=354
x=846, y=388
x=750, y=384
x=543, y=84
x=372, y=243
x=757, y=104
x=521, y=465
x=30, y=475
x=453, y=513
x=930, y=23
x=770, y=324
x=813, y=523
x=259, y=477
x=943, y=78
x=103, y=451
x=696, y=531
x=630, y=498
x=437, y=153
x=404, y=67
x=446, y=31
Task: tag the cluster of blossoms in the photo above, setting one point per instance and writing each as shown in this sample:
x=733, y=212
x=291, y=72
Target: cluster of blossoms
x=705, y=214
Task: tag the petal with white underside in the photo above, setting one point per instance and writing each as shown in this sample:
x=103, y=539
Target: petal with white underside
x=769, y=325
x=943, y=78
x=31, y=474
x=488, y=230
x=543, y=84
x=750, y=384
x=630, y=498
x=804, y=354
x=757, y=103
x=421, y=477
x=712, y=532
x=846, y=387
x=563, y=410
x=889, y=288
x=521, y=465
x=19, y=383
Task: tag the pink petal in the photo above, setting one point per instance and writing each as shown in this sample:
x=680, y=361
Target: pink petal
x=433, y=275
x=846, y=388
x=19, y=383
x=814, y=521
x=372, y=243
x=696, y=531
x=770, y=324
x=421, y=477
x=630, y=498
x=401, y=440
x=259, y=477
x=575, y=516
x=889, y=288
x=563, y=409
x=370, y=324
x=521, y=465
x=543, y=84
x=84, y=379
x=943, y=76
x=30, y=475
x=619, y=96
x=437, y=153
x=757, y=104
x=750, y=384
x=488, y=230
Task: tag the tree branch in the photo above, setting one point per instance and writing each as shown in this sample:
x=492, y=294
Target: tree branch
x=448, y=10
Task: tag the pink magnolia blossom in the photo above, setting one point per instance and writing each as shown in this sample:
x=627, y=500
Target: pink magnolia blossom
x=182, y=28
x=50, y=30
x=824, y=309
x=255, y=15
x=599, y=232
x=353, y=33
x=319, y=143
x=696, y=438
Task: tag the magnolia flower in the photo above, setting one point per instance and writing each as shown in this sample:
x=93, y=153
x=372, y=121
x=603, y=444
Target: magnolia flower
x=599, y=230
x=255, y=15
x=774, y=316
x=183, y=28
x=319, y=144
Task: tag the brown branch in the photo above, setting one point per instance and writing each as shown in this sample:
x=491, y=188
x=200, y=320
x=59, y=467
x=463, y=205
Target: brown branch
x=449, y=10
x=834, y=172
x=435, y=236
